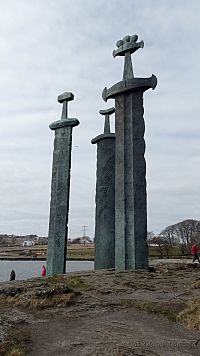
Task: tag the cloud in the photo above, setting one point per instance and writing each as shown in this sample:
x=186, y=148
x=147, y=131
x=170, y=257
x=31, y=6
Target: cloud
x=50, y=47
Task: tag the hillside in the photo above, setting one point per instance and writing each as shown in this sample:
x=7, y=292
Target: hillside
x=103, y=313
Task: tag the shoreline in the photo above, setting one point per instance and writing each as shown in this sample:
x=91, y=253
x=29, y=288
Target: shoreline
x=41, y=259
x=152, y=260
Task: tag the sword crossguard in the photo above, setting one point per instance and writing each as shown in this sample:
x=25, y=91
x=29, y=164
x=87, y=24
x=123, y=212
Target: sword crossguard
x=65, y=120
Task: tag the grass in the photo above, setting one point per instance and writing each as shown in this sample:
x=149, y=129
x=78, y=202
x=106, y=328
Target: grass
x=14, y=343
x=74, y=282
x=168, y=310
x=54, y=291
x=40, y=302
x=190, y=316
x=184, y=313
x=196, y=284
x=82, y=254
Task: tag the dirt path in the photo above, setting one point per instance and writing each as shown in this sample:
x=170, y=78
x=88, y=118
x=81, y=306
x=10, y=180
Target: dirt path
x=112, y=332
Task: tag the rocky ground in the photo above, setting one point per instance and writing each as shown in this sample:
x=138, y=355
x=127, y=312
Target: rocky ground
x=103, y=313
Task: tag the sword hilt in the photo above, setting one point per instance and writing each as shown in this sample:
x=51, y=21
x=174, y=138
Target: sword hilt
x=63, y=99
x=107, y=114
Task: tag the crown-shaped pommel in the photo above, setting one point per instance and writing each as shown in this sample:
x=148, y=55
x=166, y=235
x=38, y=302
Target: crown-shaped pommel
x=127, y=44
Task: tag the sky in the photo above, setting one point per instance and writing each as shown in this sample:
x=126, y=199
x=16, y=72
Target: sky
x=48, y=47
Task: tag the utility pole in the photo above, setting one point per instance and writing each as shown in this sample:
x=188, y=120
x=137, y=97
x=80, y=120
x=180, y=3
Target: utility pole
x=84, y=228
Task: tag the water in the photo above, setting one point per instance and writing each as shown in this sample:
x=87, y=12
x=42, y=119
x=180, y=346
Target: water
x=29, y=269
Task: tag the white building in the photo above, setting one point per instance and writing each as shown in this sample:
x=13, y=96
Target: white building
x=28, y=243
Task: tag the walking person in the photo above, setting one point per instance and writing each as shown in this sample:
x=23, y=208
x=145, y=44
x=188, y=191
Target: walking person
x=194, y=252
x=44, y=271
x=12, y=275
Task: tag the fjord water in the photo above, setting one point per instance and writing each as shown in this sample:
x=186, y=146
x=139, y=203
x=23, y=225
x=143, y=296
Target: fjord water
x=29, y=269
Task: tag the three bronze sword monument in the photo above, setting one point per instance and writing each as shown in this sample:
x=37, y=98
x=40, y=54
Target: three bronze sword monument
x=121, y=206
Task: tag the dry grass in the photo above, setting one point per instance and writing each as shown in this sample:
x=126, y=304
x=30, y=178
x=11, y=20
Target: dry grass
x=14, y=344
x=74, y=282
x=190, y=316
x=35, y=302
x=168, y=310
x=185, y=313
x=196, y=284
x=54, y=291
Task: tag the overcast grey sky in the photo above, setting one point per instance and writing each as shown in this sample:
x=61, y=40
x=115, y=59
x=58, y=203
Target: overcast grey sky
x=48, y=47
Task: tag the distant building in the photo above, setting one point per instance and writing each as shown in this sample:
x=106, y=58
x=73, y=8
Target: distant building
x=41, y=240
x=28, y=243
x=82, y=240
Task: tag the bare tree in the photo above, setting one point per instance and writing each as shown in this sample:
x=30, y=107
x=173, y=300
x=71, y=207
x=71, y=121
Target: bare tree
x=182, y=233
x=169, y=235
x=186, y=229
x=195, y=238
x=150, y=235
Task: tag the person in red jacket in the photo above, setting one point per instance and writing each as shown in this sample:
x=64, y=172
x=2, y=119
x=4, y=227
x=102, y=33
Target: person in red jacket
x=43, y=271
x=194, y=252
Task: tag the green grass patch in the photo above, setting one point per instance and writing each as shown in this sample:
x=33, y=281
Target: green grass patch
x=81, y=254
x=74, y=282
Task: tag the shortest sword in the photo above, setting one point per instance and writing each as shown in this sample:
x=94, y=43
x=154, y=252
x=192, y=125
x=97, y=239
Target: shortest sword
x=60, y=188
